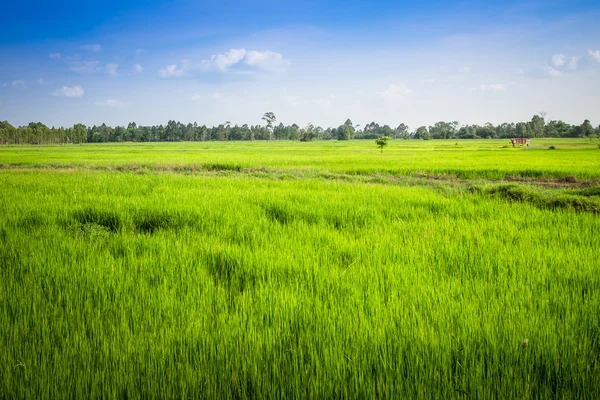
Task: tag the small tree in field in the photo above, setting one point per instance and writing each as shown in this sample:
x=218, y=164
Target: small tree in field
x=382, y=142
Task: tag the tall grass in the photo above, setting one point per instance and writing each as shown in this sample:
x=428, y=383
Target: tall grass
x=118, y=285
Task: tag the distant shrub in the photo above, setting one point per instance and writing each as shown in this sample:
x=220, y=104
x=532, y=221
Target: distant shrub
x=382, y=142
x=552, y=148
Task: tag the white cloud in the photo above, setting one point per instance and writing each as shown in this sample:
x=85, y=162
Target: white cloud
x=494, y=87
x=18, y=84
x=267, y=60
x=223, y=61
x=42, y=81
x=171, y=71
x=55, y=56
x=428, y=80
x=111, y=69
x=94, y=67
x=137, y=68
x=573, y=62
x=396, y=91
x=91, y=47
x=86, y=67
x=595, y=54
x=552, y=72
x=558, y=60
x=218, y=96
x=464, y=70
x=75, y=91
x=111, y=103
x=196, y=97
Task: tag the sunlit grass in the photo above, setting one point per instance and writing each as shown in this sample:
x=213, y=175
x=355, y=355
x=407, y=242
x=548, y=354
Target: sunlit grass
x=490, y=159
x=250, y=285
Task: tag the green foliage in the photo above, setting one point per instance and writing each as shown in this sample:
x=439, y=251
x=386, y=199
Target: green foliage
x=39, y=134
x=422, y=133
x=331, y=286
x=382, y=142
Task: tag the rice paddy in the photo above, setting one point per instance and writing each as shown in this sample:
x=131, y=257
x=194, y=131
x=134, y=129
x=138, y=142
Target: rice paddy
x=438, y=269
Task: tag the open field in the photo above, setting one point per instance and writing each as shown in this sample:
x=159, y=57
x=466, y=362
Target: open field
x=490, y=159
x=438, y=269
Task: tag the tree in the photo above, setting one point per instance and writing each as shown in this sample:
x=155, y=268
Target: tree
x=382, y=142
x=270, y=119
x=308, y=133
x=443, y=130
x=537, y=124
x=556, y=129
x=401, y=132
x=344, y=132
x=587, y=129
x=371, y=131
x=422, y=133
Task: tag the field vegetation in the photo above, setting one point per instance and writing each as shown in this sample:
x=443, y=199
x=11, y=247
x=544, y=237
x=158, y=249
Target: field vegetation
x=436, y=269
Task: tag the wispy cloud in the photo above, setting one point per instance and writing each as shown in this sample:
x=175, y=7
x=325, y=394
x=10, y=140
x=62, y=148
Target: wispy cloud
x=19, y=84
x=234, y=60
x=553, y=72
x=573, y=62
x=42, y=81
x=171, y=71
x=65, y=91
x=138, y=68
x=111, y=69
x=494, y=87
x=396, y=91
x=55, y=56
x=561, y=61
x=94, y=67
x=91, y=47
x=196, y=97
x=111, y=103
x=267, y=61
x=86, y=67
x=594, y=54
x=558, y=60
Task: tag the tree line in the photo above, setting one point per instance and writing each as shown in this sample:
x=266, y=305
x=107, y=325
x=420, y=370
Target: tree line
x=39, y=134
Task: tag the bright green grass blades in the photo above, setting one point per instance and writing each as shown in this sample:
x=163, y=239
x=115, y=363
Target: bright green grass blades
x=171, y=285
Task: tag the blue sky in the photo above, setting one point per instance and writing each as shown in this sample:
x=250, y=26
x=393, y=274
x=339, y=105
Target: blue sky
x=307, y=61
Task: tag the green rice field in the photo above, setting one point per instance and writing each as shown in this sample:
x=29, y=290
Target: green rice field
x=436, y=269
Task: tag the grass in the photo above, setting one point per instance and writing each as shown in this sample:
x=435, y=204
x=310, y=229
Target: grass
x=287, y=281
x=468, y=159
